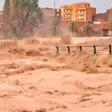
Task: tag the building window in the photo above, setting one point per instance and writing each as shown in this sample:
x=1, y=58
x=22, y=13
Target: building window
x=58, y=10
x=68, y=11
x=82, y=11
x=65, y=11
x=87, y=5
x=58, y=15
x=65, y=15
x=69, y=16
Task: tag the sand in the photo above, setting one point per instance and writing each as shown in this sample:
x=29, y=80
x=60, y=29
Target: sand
x=33, y=78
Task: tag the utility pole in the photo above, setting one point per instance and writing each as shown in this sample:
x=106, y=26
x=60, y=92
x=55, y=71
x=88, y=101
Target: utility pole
x=54, y=8
x=54, y=4
x=54, y=19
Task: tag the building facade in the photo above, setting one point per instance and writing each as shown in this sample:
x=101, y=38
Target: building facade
x=106, y=16
x=109, y=13
x=80, y=12
x=103, y=23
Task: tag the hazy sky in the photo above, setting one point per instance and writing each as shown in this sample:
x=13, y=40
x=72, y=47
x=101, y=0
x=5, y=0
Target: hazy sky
x=1, y=3
x=101, y=5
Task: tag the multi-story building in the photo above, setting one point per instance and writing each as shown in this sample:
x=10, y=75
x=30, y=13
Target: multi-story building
x=102, y=22
x=80, y=12
x=106, y=16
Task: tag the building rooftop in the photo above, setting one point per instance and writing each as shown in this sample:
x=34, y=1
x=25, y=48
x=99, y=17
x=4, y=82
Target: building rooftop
x=77, y=4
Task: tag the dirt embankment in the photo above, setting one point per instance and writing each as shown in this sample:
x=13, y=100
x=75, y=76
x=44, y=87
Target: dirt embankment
x=44, y=51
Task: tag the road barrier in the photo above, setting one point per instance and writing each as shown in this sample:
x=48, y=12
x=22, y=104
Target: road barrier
x=76, y=48
x=95, y=49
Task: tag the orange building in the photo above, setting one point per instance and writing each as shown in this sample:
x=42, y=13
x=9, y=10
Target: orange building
x=80, y=12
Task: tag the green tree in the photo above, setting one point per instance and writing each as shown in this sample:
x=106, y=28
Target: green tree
x=74, y=27
x=22, y=16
